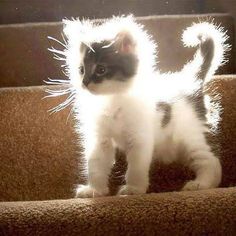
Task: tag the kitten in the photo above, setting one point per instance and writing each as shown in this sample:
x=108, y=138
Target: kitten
x=121, y=100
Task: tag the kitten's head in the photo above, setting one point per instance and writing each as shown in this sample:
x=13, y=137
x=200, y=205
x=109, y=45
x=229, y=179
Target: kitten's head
x=105, y=57
x=108, y=66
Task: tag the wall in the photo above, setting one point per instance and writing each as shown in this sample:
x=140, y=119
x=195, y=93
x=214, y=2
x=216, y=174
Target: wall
x=19, y=11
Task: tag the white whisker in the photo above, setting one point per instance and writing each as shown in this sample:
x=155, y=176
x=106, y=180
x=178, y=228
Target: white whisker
x=64, y=40
x=56, y=93
x=60, y=92
x=61, y=81
x=54, y=83
x=56, y=51
x=56, y=57
x=65, y=73
x=71, y=110
x=109, y=45
x=56, y=40
x=89, y=46
x=64, y=104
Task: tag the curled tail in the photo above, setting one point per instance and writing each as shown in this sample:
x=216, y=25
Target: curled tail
x=212, y=47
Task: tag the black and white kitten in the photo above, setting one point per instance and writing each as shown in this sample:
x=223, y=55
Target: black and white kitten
x=123, y=101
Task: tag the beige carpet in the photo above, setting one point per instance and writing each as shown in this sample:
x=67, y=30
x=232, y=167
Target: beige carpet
x=208, y=212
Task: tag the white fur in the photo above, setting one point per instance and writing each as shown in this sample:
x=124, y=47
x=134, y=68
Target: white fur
x=128, y=119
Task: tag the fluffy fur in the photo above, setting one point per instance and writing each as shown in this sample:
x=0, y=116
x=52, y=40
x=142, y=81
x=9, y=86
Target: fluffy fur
x=147, y=114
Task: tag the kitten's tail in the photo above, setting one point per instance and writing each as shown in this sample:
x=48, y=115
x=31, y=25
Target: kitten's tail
x=212, y=47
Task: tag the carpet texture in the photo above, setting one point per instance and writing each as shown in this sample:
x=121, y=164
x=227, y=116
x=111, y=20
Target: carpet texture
x=26, y=61
x=208, y=212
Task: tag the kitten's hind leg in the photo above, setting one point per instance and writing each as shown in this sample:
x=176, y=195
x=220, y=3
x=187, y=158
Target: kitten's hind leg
x=207, y=168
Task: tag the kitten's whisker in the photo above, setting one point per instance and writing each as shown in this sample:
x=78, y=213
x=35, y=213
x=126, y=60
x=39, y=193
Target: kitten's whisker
x=60, y=90
x=89, y=47
x=56, y=40
x=54, y=83
x=71, y=110
x=53, y=95
x=63, y=105
x=56, y=51
x=109, y=45
x=56, y=57
x=59, y=108
x=64, y=40
x=56, y=93
x=60, y=81
x=65, y=73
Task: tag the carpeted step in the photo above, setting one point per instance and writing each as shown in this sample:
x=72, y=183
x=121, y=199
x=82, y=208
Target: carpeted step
x=40, y=153
x=25, y=60
x=208, y=212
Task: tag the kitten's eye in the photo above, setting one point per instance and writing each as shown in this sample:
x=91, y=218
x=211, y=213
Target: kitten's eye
x=81, y=70
x=100, y=70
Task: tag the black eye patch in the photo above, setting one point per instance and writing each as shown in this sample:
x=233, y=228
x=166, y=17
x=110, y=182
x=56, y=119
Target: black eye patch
x=108, y=63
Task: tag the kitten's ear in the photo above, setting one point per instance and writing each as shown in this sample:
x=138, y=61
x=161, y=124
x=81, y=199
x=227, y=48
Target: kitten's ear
x=125, y=42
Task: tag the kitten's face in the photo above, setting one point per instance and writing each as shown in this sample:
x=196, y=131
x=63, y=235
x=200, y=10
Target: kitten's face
x=107, y=67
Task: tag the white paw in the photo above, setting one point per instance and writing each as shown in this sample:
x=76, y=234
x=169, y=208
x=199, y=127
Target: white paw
x=86, y=191
x=194, y=185
x=130, y=190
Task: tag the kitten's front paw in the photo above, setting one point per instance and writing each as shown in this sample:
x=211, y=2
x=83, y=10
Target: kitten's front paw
x=86, y=191
x=130, y=190
x=194, y=185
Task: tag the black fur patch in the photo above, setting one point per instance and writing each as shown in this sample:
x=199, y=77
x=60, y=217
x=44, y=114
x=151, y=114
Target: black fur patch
x=197, y=100
x=120, y=66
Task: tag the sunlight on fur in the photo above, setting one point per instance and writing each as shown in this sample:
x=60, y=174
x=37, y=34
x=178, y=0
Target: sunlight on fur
x=120, y=99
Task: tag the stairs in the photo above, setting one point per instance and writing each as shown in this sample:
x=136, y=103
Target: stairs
x=40, y=155
x=28, y=132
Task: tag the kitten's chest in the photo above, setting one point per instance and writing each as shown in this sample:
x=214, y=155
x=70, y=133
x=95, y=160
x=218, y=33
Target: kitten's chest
x=113, y=121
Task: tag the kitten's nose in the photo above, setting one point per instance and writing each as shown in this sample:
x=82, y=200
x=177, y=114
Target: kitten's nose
x=85, y=82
